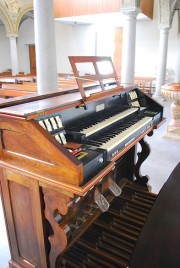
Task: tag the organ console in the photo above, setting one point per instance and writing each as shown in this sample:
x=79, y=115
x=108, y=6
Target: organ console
x=71, y=187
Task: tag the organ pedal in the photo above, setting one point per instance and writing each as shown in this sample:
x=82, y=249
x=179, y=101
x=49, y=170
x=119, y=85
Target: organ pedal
x=111, y=238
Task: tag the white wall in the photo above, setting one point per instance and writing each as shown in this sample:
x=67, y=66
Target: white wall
x=147, y=46
x=73, y=40
x=5, y=62
x=147, y=41
x=81, y=40
x=26, y=38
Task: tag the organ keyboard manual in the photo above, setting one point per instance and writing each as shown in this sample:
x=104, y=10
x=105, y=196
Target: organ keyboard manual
x=71, y=187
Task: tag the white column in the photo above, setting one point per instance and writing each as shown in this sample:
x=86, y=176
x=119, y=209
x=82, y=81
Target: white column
x=46, y=64
x=177, y=68
x=128, y=48
x=14, y=55
x=161, y=68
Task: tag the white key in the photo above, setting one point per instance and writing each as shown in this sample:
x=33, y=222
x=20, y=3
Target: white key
x=107, y=122
x=63, y=138
x=53, y=122
x=59, y=122
x=134, y=95
x=57, y=138
x=48, y=125
x=41, y=123
x=135, y=103
x=113, y=142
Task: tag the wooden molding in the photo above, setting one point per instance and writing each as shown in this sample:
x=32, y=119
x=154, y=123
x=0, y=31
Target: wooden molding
x=69, y=8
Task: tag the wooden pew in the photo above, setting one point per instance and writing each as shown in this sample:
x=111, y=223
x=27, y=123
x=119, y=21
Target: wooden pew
x=16, y=79
x=15, y=90
x=9, y=80
x=145, y=84
x=8, y=90
x=5, y=74
x=61, y=83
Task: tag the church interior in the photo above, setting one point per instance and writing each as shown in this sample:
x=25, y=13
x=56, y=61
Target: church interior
x=76, y=78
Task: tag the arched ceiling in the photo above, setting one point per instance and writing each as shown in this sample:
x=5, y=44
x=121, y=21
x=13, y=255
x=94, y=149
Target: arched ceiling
x=12, y=12
x=176, y=8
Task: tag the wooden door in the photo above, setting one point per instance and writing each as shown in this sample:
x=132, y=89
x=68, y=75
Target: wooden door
x=32, y=58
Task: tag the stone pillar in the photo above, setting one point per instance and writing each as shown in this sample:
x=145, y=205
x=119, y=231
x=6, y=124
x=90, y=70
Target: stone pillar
x=46, y=64
x=128, y=47
x=161, y=68
x=14, y=55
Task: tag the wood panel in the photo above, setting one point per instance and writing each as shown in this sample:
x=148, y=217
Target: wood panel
x=25, y=145
x=63, y=8
x=147, y=8
x=21, y=201
x=94, y=7
x=110, y=6
x=69, y=8
x=80, y=7
x=23, y=221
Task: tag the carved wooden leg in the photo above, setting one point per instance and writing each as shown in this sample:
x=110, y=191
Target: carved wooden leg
x=143, y=180
x=55, y=202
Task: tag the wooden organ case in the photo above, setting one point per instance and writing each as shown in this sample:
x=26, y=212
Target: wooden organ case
x=72, y=193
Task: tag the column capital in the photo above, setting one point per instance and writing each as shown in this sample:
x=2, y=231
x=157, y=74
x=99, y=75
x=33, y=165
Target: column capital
x=131, y=7
x=131, y=3
x=13, y=35
x=131, y=11
x=164, y=28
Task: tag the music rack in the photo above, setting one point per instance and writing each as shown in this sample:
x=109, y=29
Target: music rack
x=97, y=78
